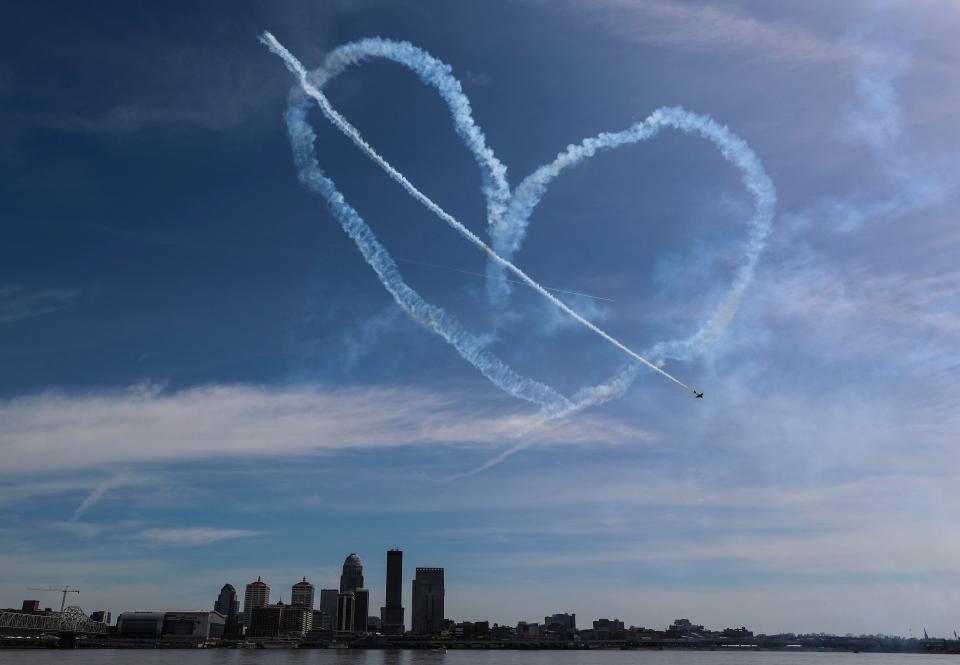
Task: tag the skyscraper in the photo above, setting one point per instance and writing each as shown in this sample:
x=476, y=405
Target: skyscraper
x=227, y=603
x=427, y=610
x=351, y=581
x=352, y=577
x=391, y=614
x=345, y=612
x=328, y=601
x=361, y=605
x=257, y=595
x=302, y=594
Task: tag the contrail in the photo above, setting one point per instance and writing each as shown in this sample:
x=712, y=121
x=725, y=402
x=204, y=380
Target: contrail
x=512, y=281
x=97, y=493
x=351, y=132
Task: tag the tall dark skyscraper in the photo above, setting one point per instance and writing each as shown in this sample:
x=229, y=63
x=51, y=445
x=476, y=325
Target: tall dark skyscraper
x=391, y=614
x=227, y=603
x=427, y=610
x=352, y=577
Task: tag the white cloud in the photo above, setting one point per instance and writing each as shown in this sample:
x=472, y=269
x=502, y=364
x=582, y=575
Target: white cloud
x=193, y=535
x=56, y=431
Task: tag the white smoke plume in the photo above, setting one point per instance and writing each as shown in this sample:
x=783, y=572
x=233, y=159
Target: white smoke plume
x=508, y=215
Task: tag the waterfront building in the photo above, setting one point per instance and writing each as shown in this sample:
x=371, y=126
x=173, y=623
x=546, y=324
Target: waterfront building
x=227, y=603
x=391, y=614
x=472, y=630
x=302, y=594
x=361, y=607
x=186, y=626
x=527, y=630
x=351, y=581
x=683, y=628
x=561, y=622
x=608, y=629
x=323, y=620
x=103, y=616
x=346, y=611
x=257, y=595
x=328, y=601
x=297, y=621
x=352, y=577
x=427, y=601
x=266, y=620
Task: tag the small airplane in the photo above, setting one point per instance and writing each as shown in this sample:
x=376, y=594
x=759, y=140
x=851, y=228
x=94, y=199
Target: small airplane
x=697, y=395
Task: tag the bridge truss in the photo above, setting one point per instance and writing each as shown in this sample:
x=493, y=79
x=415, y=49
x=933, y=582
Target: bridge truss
x=71, y=620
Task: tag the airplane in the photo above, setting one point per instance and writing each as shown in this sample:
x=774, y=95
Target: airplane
x=697, y=395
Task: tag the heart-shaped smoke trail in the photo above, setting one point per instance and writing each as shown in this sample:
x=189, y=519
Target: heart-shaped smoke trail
x=508, y=216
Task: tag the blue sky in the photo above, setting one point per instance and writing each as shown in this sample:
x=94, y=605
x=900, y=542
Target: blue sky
x=201, y=381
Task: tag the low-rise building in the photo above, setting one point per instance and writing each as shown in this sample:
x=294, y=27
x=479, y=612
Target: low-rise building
x=684, y=628
x=174, y=625
x=608, y=629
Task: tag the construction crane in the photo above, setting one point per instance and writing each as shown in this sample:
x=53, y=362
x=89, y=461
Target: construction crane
x=65, y=590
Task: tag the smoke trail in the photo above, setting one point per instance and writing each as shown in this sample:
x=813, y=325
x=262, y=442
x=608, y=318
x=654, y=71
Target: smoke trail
x=351, y=132
x=470, y=346
x=508, y=217
x=436, y=74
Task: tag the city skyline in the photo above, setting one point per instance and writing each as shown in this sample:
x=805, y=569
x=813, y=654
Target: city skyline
x=202, y=380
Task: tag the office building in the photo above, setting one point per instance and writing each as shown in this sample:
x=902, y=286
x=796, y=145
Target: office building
x=391, y=614
x=227, y=603
x=361, y=607
x=527, y=630
x=279, y=620
x=608, y=629
x=31, y=606
x=561, y=622
x=302, y=594
x=351, y=581
x=344, y=621
x=472, y=630
x=297, y=621
x=328, y=601
x=427, y=602
x=352, y=577
x=257, y=595
x=266, y=620
x=322, y=621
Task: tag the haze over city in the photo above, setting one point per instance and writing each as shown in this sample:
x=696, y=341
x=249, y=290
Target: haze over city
x=203, y=381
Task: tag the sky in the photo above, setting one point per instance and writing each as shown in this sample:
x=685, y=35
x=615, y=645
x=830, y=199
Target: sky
x=202, y=381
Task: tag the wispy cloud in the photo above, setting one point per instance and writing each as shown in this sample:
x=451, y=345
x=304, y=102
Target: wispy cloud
x=64, y=431
x=193, y=535
x=18, y=303
x=881, y=57
x=693, y=25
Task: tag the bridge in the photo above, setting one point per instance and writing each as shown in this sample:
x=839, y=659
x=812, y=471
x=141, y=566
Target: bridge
x=70, y=622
